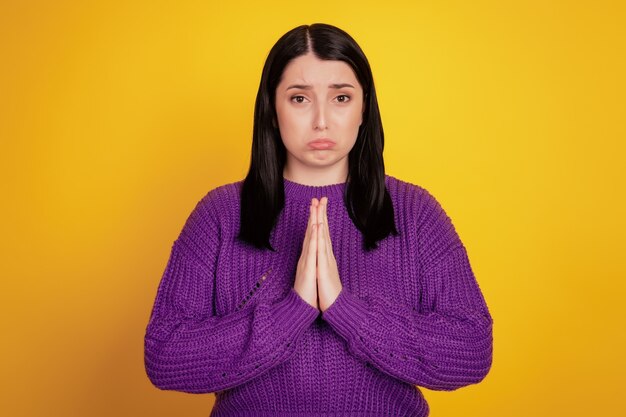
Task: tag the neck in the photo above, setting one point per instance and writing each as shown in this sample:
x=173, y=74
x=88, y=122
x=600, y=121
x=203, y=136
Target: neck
x=338, y=173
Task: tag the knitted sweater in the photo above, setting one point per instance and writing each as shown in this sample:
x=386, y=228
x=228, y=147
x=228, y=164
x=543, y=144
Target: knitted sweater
x=227, y=320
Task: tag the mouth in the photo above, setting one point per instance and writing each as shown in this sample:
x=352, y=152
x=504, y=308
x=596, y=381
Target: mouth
x=321, y=144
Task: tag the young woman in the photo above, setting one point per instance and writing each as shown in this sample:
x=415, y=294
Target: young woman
x=318, y=285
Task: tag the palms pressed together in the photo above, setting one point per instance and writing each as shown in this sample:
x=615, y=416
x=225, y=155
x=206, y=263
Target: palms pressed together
x=317, y=277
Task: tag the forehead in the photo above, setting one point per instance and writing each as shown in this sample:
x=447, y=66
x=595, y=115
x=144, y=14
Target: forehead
x=312, y=70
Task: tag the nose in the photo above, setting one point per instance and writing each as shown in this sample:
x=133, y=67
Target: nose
x=319, y=118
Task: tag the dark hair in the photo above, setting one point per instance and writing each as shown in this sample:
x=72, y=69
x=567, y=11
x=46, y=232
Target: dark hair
x=366, y=197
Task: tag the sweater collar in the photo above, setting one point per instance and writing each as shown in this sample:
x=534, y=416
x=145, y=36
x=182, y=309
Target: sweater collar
x=297, y=191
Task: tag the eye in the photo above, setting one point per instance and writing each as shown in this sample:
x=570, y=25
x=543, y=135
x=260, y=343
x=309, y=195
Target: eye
x=298, y=97
x=346, y=98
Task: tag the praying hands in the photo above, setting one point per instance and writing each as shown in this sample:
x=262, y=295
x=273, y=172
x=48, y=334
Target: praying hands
x=317, y=278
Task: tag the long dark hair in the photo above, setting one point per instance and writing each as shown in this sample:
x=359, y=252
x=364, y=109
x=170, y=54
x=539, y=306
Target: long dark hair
x=366, y=197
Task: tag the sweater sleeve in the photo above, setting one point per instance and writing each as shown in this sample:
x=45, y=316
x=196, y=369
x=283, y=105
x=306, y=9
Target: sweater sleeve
x=444, y=341
x=187, y=347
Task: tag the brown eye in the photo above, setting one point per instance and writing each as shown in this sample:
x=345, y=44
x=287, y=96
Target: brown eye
x=297, y=97
x=345, y=100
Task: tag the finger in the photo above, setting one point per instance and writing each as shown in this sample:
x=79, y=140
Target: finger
x=322, y=251
x=327, y=226
x=324, y=225
x=312, y=245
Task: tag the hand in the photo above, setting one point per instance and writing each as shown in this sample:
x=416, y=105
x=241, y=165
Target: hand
x=328, y=282
x=306, y=276
x=317, y=277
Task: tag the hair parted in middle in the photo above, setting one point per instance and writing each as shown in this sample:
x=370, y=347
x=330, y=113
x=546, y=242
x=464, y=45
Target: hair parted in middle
x=366, y=197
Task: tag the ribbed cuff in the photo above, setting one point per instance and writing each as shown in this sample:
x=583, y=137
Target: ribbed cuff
x=292, y=314
x=346, y=315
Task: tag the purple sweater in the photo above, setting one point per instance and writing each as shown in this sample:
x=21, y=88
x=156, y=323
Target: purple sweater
x=227, y=320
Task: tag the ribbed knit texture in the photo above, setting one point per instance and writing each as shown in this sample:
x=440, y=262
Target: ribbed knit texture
x=227, y=320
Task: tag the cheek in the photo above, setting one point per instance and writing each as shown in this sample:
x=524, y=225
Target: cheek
x=291, y=128
x=281, y=117
x=291, y=122
x=353, y=119
x=351, y=114
x=352, y=126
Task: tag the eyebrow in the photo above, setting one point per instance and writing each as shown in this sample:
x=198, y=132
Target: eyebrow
x=308, y=87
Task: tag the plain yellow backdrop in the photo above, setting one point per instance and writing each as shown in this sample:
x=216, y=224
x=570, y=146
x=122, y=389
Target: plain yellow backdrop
x=116, y=117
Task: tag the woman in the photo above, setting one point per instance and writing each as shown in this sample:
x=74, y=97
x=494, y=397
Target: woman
x=318, y=284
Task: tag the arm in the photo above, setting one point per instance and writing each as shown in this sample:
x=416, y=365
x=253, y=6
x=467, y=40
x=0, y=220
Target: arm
x=444, y=342
x=188, y=348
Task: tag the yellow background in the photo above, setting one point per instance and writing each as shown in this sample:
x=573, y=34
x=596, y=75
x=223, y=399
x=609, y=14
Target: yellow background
x=116, y=117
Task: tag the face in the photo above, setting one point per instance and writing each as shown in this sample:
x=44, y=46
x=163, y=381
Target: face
x=318, y=99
